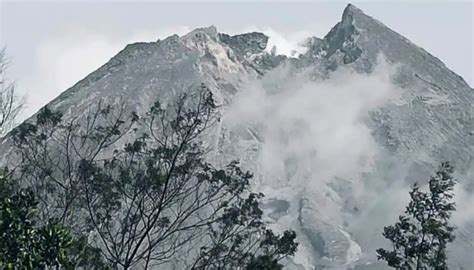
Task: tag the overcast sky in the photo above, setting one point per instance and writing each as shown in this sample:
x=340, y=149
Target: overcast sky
x=54, y=44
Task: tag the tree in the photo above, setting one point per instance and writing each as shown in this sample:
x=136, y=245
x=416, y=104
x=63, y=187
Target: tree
x=25, y=244
x=420, y=236
x=142, y=188
x=10, y=105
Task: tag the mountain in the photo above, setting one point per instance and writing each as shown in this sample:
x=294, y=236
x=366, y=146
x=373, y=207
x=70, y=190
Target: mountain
x=426, y=116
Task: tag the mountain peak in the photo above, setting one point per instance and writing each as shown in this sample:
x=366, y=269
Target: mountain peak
x=246, y=44
x=350, y=10
x=342, y=36
x=198, y=33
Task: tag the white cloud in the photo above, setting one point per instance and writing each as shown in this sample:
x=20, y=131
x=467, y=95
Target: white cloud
x=464, y=199
x=311, y=133
x=318, y=126
x=288, y=43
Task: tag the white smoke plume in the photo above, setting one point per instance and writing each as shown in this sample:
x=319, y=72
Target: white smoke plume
x=315, y=141
x=316, y=127
x=313, y=132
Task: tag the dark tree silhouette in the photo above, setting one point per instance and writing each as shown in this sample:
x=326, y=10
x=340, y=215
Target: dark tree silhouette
x=140, y=184
x=420, y=236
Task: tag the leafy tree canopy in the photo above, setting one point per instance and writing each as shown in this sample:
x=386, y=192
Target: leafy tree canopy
x=420, y=236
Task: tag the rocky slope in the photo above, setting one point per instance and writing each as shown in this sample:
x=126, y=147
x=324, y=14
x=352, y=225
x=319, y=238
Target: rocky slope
x=338, y=218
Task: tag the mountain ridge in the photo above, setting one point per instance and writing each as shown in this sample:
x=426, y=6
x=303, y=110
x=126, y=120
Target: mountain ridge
x=349, y=12
x=433, y=122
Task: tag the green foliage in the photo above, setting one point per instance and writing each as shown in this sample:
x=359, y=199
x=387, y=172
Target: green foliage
x=25, y=244
x=420, y=236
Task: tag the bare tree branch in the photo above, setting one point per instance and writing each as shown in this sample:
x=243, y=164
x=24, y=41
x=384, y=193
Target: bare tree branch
x=10, y=103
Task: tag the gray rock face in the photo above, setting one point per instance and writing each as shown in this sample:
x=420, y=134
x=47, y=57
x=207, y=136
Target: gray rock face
x=433, y=121
x=441, y=99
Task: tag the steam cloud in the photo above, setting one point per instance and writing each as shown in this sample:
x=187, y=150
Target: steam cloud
x=317, y=126
x=313, y=133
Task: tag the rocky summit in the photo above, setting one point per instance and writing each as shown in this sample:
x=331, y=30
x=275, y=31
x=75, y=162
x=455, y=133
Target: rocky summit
x=269, y=103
